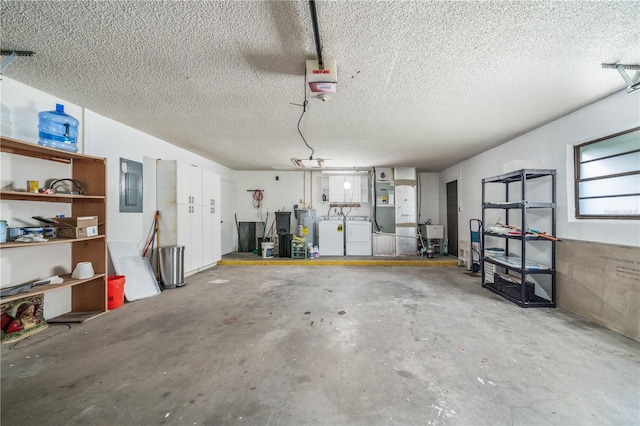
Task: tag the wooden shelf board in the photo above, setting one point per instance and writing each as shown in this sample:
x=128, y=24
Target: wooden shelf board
x=13, y=244
x=15, y=146
x=56, y=198
x=75, y=317
x=68, y=282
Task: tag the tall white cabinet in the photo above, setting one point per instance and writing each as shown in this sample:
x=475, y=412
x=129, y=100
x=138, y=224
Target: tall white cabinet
x=211, y=217
x=189, y=216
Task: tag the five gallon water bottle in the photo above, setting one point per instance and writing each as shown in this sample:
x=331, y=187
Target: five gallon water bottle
x=58, y=129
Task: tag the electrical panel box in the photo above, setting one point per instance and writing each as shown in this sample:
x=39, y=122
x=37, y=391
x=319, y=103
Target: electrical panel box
x=130, y=186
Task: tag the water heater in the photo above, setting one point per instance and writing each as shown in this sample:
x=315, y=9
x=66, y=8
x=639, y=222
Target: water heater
x=307, y=224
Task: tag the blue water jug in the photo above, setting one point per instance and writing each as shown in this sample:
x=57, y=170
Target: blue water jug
x=58, y=129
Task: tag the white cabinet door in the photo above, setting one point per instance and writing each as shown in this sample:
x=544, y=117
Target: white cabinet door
x=183, y=183
x=352, y=194
x=210, y=188
x=336, y=189
x=217, y=232
x=196, y=185
x=211, y=247
x=183, y=233
x=188, y=219
x=189, y=184
x=189, y=235
x=208, y=235
x=195, y=231
x=344, y=189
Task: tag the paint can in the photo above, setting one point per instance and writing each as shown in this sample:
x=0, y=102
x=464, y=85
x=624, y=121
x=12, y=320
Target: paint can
x=267, y=250
x=32, y=186
x=13, y=233
x=3, y=231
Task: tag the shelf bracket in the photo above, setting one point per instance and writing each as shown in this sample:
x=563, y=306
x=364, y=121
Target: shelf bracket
x=633, y=83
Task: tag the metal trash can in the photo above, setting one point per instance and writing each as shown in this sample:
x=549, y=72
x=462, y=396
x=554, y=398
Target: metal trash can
x=171, y=264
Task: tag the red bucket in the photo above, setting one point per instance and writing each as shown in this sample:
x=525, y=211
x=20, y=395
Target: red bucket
x=115, y=291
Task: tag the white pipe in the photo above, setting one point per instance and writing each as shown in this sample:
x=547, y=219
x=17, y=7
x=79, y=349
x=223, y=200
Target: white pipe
x=311, y=189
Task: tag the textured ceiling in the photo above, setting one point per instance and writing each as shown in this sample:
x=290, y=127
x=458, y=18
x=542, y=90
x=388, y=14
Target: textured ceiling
x=424, y=84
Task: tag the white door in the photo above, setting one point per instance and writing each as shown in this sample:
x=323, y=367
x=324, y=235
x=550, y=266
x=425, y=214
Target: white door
x=228, y=225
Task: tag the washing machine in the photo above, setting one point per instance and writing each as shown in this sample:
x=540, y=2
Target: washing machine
x=331, y=236
x=358, y=236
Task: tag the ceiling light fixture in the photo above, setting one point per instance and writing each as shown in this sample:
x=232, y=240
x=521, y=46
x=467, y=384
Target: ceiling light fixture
x=321, y=78
x=633, y=84
x=311, y=163
x=339, y=171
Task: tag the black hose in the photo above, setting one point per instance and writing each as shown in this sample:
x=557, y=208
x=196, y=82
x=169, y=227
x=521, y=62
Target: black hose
x=375, y=203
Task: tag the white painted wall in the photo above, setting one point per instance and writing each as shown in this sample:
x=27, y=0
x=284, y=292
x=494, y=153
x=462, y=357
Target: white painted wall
x=552, y=145
x=107, y=138
x=21, y=105
x=99, y=136
x=19, y=119
x=429, y=207
x=102, y=137
x=297, y=187
x=292, y=187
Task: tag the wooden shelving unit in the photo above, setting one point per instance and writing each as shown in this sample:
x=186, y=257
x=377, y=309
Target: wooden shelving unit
x=88, y=296
x=54, y=198
x=12, y=244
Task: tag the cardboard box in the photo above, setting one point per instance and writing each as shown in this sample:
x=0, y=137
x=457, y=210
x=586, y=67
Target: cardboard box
x=489, y=272
x=77, y=227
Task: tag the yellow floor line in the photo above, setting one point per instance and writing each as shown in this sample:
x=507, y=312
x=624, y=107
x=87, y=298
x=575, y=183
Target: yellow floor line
x=336, y=262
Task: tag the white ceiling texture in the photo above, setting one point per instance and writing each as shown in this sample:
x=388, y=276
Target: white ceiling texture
x=420, y=83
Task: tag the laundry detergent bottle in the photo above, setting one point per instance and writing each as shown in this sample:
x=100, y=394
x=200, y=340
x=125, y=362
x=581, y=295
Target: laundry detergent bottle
x=57, y=129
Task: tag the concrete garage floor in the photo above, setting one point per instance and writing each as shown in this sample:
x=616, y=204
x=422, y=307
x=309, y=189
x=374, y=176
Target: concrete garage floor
x=265, y=345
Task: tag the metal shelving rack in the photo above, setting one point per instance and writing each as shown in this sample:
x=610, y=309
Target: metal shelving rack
x=516, y=277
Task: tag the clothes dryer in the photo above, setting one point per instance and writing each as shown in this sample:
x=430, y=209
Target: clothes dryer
x=358, y=236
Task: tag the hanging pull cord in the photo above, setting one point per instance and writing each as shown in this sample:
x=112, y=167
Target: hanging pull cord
x=304, y=109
